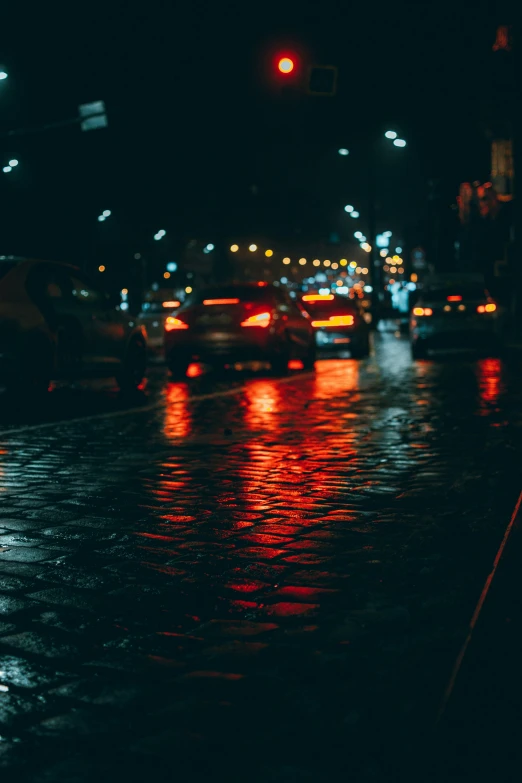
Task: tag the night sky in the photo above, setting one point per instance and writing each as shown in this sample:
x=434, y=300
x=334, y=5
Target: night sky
x=193, y=125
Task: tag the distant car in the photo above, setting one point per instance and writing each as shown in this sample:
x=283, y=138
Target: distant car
x=339, y=324
x=152, y=317
x=56, y=324
x=239, y=322
x=455, y=316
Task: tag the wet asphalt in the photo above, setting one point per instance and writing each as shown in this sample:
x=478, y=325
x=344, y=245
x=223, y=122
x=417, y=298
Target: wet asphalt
x=239, y=577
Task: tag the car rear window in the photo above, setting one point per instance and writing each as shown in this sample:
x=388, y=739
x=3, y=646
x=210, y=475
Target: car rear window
x=467, y=292
x=328, y=308
x=243, y=293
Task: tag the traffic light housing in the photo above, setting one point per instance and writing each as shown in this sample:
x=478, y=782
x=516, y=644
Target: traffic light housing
x=322, y=80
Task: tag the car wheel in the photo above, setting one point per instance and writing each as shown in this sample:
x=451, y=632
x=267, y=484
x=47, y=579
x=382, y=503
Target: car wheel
x=279, y=361
x=361, y=350
x=310, y=358
x=178, y=368
x=418, y=350
x=134, y=367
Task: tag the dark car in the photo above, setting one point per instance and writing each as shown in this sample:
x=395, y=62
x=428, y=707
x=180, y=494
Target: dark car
x=339, y=324
x=56, y=324
x=459, y=315
x=242, y=322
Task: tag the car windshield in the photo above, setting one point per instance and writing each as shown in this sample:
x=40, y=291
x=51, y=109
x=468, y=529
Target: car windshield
x=456, y=292
x=245, y=293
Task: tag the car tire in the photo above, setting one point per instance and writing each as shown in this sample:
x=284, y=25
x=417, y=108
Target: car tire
x=134, y=366
x=279, y=361
x=178, y=369
x=310, y=358
x=418, y=350
x=361, y=350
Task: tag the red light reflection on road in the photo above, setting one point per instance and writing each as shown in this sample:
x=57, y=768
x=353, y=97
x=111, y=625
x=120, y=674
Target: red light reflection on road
x=490, y=385
x=194, y=370
x=263, y=400
x=178, y=417
x=334, y=377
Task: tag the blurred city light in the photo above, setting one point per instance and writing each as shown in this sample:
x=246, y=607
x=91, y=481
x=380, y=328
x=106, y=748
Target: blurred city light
x=269, y=253
x=390, y=135
x=234, y=248
x=398, y=250
x=188, y=289
x=365, y=270
x=386, y=233
x=368, y=289
x=383, y=253
x=166, y=275
x=354, y=214
x=324, y=291
x=335, y=266
x=252, y=248
x=366, y=247
x=343, y=151
x=342, y=290
x=13, y=162
x=400, y=270
x=399, y=143
x=284, y=280
x=343, y=262
x=101, y=268
x=3, y=75
x=316, y=262
x=137, y=256
x=359, y=235
x=285, y=65
x=106, y=213
x=339, y=283
x=358, y=270
x=327, y=262
x=7, y=169
x=100, y=218
x=209, y=247
x=172, y=266
x=286, y=260
x=302, y=261
x=414, y=277
x=353, y=264
x=348, y=208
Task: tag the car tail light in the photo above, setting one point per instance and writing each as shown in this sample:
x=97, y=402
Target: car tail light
x=422, y=311
x=220, y=301
x=172, y=323
x=454, y=298
x=261, y=319
x=172, y=304
x=490, y=307
x=318, y=298
x=335, y=320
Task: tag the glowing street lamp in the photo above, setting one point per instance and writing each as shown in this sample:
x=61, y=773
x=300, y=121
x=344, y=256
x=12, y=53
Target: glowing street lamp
x=348, y=208
x=343, y=152
x=390, y=135
x=399, y=143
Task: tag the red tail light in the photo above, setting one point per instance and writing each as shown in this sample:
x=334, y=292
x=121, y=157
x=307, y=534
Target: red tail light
x=261, y=319
x=454, y=298
x=490, y=307
x=336, y=320
x=172, y=323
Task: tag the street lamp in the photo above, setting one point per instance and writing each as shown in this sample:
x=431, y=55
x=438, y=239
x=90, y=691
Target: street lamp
x=7, y=169
x=354, y=214
x=13, y=162
x=390, y=134
x=399, y=142
x=106, y=213
x=343, y=151
x=348, y=208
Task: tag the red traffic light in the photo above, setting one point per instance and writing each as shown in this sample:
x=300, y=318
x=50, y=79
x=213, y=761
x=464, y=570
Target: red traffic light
x=285, y=65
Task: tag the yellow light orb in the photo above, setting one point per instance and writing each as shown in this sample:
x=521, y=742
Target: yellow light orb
x=327, y=262
x=166, y=275
x=286, y=260
x=343, y=262
x=188, y=289
x=101, y=268
x=358, y=270
x=316, y=262
x=353, y=264
x=365, y=270
x=252, y=248
x=234, y=248
x=302, y=261
x=125, y=291
x=269, y=253
x=335, y=266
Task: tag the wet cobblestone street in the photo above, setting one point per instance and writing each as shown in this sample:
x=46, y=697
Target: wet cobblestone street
x=248, y=578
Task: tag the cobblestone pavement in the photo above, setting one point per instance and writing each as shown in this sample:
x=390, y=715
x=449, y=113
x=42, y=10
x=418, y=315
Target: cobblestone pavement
x=249, y=579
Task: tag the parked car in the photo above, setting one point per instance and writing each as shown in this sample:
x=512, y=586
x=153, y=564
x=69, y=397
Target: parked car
x=56, y=324
x=339, y=324
x=239, y=322
x=455, y=315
